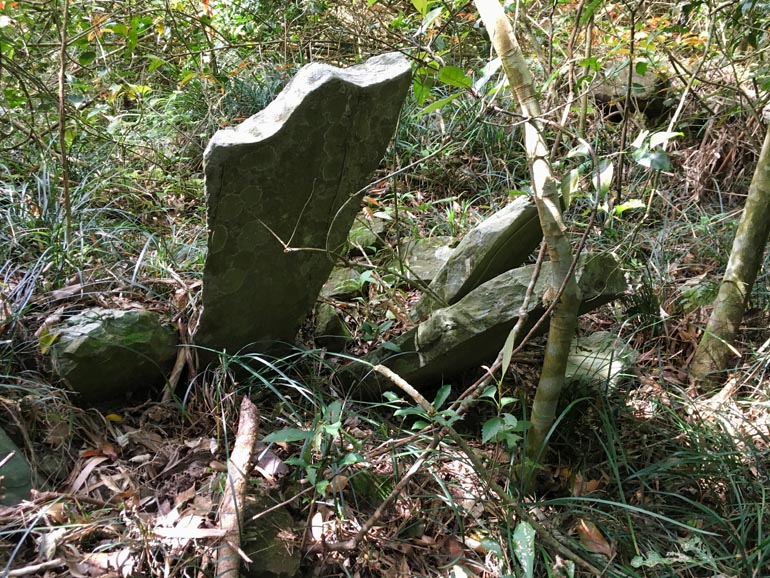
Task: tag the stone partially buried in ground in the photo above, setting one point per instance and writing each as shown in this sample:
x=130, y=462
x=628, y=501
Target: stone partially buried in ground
x=424, y=258
x=269, y=541
x=103, y=354
x=16, y=484
x=601, y=359
x=367, y=234
x=472, y=331
x=331, y=331
x=283, y=190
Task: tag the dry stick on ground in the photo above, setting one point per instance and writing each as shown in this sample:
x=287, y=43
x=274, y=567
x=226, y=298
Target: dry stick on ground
x=550, y=538
x=231, y=507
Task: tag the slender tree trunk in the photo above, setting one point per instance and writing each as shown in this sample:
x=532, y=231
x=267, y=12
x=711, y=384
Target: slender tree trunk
x=716, y=346
x=547, y=200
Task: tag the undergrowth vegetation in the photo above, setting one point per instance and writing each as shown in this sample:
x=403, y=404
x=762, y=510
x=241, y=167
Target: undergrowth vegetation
x=653, y=478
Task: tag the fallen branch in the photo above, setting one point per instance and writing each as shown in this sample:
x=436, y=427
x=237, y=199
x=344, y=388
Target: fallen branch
x=231, y=507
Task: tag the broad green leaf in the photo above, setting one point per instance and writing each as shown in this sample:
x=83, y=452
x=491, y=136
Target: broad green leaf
x=421, y=6
x=454, y=76
x=491, y=428
x=506, y=401
x=441, y=396
x=420, y=89
x=155, y=62
x=655, y=160
x=46, y=340
x=489, y=391
x=491, y=545
x=569, y=186
x=409, y=411
x=640, y=138
x=288, y=435
x=641, y=68
x=524, y=547
x=14, y=97
x=508, y=350
x=334, y=411
x=659, y=138
x=351, y=458
x=591, y=63
x=86, y=57
x=589, y=11
x=489, y=69
x=438, y=104
x=391, y=347
x=187, y=77
x=631, y=204
x=581, y=150
x=119, y=29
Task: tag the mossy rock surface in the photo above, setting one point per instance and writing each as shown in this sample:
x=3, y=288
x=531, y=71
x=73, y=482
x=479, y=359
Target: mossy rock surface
x=104, y=354
x=269, y=541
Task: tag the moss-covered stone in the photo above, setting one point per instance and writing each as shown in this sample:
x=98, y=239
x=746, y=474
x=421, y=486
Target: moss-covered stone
x=269, y=541
x=103, y=354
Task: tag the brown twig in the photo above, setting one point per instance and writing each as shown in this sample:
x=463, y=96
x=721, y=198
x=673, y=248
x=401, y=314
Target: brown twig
x=231, y=507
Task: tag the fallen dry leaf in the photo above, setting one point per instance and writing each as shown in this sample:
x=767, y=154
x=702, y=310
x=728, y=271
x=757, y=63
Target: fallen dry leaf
x=592, y=539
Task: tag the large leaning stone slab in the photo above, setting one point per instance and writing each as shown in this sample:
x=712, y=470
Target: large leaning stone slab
x=282, y=193
x=473, y=330
x=496, y=245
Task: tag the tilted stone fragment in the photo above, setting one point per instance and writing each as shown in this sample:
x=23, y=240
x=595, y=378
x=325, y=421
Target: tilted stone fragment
x=282, y=193
x=497, y=244
x=472, y=331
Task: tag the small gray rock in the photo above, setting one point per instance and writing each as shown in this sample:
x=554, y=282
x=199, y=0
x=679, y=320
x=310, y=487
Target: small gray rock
x=601, y=358
x=267, y=541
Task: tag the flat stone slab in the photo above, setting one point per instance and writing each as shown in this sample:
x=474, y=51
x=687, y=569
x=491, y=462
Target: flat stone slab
x=497, y=244
x=283, y=189
x=471, y=332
